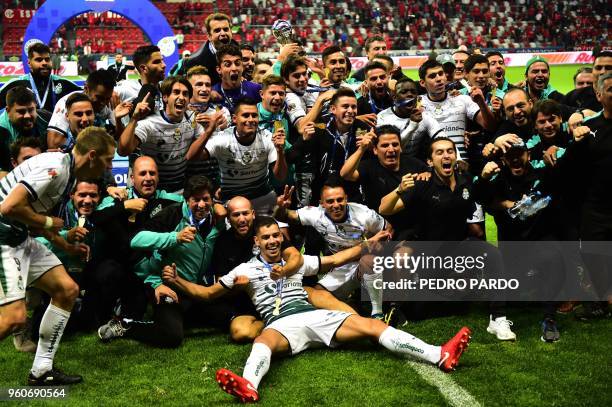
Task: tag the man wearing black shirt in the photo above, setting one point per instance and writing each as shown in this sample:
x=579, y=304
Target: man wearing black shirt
x=331, y=146
x=591, y=155
x=518, y=124
x=501, y=189
x=47, y=88
x=380, y=176
x=378, y=97
x=119, y=69
x=586, y=98
x=21, y=119
x=444, y=205
x=122, y=219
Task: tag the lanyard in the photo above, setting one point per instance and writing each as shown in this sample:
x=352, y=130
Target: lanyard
x=373, y=105
x=338, y=140
x=197, y=224
x=41, y=104
x=230, y=100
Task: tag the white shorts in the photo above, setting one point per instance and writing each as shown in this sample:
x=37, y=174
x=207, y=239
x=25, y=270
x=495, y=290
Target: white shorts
x=341, y=280
x=309, y=329
x=21, y=266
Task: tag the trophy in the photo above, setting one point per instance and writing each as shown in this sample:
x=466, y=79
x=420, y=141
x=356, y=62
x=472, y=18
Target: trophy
x=283, y=32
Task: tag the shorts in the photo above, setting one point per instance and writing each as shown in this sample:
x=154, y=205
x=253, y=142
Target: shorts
x=309, y=329
x=341, y=280
x=21, y=266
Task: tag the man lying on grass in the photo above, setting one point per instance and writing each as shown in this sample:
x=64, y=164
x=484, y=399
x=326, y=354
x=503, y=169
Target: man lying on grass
x=292, y=324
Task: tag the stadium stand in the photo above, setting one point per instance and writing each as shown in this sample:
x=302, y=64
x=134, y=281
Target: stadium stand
x=442, y=24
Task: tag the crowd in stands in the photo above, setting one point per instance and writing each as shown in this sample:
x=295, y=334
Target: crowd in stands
x=439, y=24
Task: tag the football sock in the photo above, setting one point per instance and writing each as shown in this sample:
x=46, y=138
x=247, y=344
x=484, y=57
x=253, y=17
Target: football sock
x=376, y=294
x=50, y=332
x=402, y=342
x=257, y=364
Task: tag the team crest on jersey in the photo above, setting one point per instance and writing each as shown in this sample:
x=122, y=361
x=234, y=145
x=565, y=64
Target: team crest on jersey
x=52, y=173
x=155, y=211
x=58, y=89
x=247, y=157
x=177, y=134
x=466, y=194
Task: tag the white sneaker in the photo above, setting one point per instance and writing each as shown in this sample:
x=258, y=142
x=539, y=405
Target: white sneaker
x=500, y=327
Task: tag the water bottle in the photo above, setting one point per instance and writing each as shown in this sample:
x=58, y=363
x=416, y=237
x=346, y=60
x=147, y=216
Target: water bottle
x=538, y=205
x=519, y=207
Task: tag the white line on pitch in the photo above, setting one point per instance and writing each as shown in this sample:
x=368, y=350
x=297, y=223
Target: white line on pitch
x=454, y=394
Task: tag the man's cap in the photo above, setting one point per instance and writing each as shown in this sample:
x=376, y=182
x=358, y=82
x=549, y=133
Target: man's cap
x=445, y=59
x=535, y=59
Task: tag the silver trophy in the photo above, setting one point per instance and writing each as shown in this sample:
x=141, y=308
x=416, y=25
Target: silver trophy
x=283, y=32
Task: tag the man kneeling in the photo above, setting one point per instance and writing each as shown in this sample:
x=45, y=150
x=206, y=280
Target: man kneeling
x=292, y=324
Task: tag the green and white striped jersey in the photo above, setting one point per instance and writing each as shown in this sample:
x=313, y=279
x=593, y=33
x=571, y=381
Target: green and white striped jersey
x=263, y=290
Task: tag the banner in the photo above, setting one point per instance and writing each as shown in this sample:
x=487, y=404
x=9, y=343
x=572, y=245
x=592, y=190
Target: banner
x=68, y=68
x=514, y=59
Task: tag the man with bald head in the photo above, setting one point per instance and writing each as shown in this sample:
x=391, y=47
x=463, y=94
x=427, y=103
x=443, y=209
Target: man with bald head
x=234, y=246
x=120, y=219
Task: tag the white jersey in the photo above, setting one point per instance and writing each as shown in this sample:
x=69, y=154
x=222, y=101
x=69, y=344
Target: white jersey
x=167, y=143
x=263, y=290
x=244, y=168
x=59, y=122
x=298, y=106
x=361, y=222
x=412, y=134
x=452, y=114
x=210, y=167
x=45, y=176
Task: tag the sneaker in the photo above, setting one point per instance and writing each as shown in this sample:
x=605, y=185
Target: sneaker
x=452, y=350
x=500, y=327
x=21, y=339
x=550, y=333
x=111, y=330
x=395, y=317
x=54, y=377
x=237, y=386
x=592, y=310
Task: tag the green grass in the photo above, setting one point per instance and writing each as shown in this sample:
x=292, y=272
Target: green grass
x=561, y=76
x=572, y=372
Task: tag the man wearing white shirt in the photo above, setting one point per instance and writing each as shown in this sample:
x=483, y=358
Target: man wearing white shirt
x=417, y=127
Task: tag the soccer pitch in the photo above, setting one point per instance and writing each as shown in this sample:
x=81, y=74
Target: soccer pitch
x=572, y=372
x=575, y=371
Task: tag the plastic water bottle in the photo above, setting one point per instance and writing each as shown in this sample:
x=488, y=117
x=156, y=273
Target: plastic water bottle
x=519, y=207
x=537, y=206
